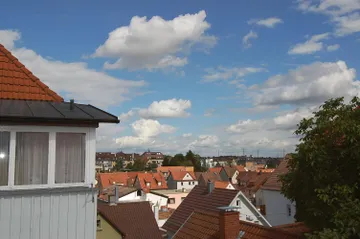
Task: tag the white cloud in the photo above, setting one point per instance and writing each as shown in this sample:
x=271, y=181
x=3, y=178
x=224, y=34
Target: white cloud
x=290, y=119
x=125, y=116
x=223, y=73
x=155, y=43
x=9, y=37
x=205, y=141
x=187, y=135
x=172, y=108
x=243, y=126
x=145, y=133
x=314, y=44
x=209, y=112
x=270, y=22
x=333, y=47
x=246, y=39
x=309, y=84
x=73, y=79
x=344, y=14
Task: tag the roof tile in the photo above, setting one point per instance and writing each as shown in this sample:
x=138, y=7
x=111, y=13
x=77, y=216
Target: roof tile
x=18, y=83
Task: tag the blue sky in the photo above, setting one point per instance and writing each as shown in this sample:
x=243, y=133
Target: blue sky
x=203, y=75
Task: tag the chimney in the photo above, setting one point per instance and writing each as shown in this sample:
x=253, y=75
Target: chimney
x=113, y=200
x=229, y=224
x=71, y=104
x=210, y=186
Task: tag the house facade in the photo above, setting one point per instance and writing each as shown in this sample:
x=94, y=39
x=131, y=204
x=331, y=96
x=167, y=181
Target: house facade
x=181, y=180
x=230, y=174
x=47, y=158
x=276, y=208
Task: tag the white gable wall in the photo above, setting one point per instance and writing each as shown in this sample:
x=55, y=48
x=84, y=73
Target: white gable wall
x=188, y=185
x=130, y=197
x=276, y=206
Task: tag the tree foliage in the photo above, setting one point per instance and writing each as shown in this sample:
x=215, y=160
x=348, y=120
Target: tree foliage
x=119, y=165
x=324, y=173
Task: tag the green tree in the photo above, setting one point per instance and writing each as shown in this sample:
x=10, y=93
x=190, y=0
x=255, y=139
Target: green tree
x=194, y=160
x=153, y=165
x=324, y=173
x=166, y=161
x=177, y=160
x=119, y=165
x=139, y=165
x=129, y=165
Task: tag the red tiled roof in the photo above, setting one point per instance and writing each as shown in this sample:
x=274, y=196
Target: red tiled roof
x=205, y=225
x=199, y=199
x=153, y=179
x=229, y=171
x=133, y=220
x=179, y=175
x=215, y=170
x=120, y=178
x=174, y=168
x=18, y=83
x=273, y=182
x=239, y=168
x=165, y=214
x=221, y=184
x=298, y=228
x=204, y=178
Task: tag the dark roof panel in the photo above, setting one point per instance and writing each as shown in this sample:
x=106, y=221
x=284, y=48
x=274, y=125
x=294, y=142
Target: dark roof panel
x=43, y=111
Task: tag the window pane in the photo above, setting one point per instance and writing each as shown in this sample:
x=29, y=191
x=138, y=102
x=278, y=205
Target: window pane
x=4, y=157
x=70, y=158
x=31, y=158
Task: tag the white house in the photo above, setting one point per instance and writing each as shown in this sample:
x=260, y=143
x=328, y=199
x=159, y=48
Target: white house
x=181, y=180
x=47, y=158
x=276, y=208
x=230, y=174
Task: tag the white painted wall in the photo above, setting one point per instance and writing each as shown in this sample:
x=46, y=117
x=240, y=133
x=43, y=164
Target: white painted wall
x=154, y=198
x=276, y=207
x=185, y=184
x=130, y=197
x=65, y=215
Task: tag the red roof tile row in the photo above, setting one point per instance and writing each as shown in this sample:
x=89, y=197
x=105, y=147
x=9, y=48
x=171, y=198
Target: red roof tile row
x=18, y=83
x=179, y=175
x=151, y=181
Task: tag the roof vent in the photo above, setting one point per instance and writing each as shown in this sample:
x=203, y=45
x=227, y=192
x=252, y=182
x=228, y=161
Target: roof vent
x=71, y=104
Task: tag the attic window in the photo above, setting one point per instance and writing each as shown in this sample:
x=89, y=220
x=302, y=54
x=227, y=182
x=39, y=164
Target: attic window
x=159, y=183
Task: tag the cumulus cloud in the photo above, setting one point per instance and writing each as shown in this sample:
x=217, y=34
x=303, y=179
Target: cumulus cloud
x=155, y=43
x=246, y=39
x=125, y=116
x=73, y=79
x=343, y=14
x=243, y=126
x=187, y=135
x=145, y=131
x=333, y=47
x=172, y=108
x=205, y=141
x=270, y=22
x=310, y=84
x=314, y=44
x=224, y=73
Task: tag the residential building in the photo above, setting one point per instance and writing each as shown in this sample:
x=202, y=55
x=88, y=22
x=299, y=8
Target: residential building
x=47, y=151
x=116, y=178
x=106, y=160
x=230, y=174
x=147, y=181
x=165, y=170
x=225, y=224
x=120, y=193
x=208, y=162
x=250, y=182
x=164, y=215
x=175, y=197
x=153, y=157
x=215, y=170
x=205, y=177
x=181, y=180
x=276, y=208
x=210, y=199
x=129, y=220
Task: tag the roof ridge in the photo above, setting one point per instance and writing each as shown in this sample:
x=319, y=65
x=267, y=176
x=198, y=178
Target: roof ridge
x=32, y=77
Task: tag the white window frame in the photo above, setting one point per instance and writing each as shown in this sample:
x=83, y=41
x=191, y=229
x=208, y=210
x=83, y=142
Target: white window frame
x=90, y=151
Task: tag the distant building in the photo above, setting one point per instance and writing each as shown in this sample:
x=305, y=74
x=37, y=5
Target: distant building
x=277, y=209
x=165, y=170
x=147, y=181
x=181, y=180
x=153, y=157
x=175, y=197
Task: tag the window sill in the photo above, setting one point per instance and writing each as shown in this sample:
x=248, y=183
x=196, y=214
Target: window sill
x=46, y=189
